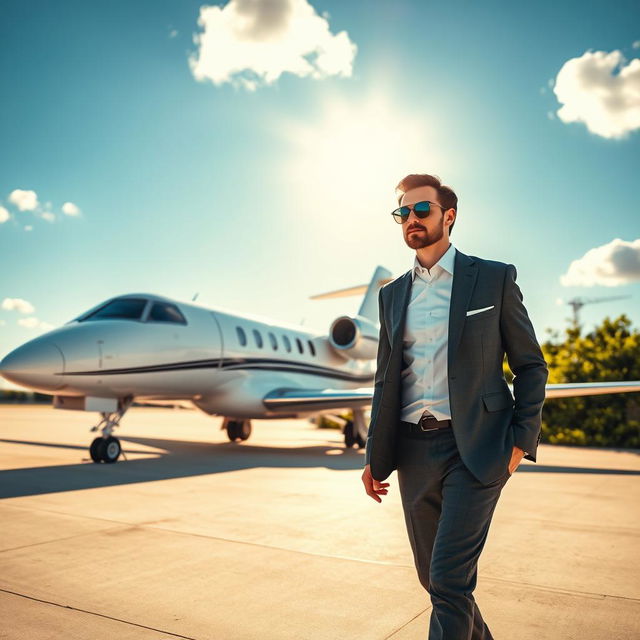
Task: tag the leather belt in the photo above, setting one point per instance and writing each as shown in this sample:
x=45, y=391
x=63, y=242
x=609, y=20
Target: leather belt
x=427, y=423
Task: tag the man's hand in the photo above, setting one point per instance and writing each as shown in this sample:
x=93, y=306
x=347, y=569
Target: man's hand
x=516, y=457
x=373, y=487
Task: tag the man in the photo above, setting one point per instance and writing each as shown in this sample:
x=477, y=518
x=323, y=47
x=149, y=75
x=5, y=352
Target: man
x=442, y=413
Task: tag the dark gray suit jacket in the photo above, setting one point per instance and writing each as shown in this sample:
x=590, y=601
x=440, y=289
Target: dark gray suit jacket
x=485, y=422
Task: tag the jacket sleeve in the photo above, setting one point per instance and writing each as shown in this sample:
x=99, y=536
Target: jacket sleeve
x=527, y=363
x=382, y=358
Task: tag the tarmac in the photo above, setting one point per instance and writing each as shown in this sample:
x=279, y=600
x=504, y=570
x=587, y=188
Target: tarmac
x=274, y=538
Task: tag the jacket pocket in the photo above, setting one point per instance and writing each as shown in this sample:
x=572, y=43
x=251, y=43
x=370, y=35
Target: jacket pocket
x=497, y=400
x=489, y=313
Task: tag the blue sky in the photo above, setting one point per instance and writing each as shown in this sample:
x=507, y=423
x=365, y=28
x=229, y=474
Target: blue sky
x=270, y=186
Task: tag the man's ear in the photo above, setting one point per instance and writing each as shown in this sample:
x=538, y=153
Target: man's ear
x=454, y=216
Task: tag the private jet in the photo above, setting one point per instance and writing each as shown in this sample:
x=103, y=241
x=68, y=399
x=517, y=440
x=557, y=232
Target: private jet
x=152, y=349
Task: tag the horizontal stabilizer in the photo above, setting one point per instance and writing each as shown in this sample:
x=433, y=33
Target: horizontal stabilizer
x=369, y=305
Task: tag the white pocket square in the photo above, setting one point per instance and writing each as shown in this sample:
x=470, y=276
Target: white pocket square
x=472, y=311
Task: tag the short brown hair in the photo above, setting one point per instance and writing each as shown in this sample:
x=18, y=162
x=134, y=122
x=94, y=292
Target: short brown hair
x=448, y=198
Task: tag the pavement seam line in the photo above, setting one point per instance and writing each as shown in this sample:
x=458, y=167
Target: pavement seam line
x=569, y=592
x=78, y=535
x=133, y=525
x=93, y=613
x=401, y=627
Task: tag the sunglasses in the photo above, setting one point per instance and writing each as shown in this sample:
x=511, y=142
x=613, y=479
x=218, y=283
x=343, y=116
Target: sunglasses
x=421, y=209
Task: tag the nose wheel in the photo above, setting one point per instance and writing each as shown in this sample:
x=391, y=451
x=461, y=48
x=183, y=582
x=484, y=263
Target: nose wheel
x=105, y=449
x=237, y=429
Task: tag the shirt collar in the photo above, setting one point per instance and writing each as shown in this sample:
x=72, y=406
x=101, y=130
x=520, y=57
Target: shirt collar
x=446, y=262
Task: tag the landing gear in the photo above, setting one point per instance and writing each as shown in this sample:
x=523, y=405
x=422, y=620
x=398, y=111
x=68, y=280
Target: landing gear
x=237, y=429
x=106, y=448
x=94, y=451
x=355, y=431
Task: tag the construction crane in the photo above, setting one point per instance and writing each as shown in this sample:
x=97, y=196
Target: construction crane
x=578, y=303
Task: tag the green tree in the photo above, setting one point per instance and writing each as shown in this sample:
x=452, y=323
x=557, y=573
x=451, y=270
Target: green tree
x=611, y=352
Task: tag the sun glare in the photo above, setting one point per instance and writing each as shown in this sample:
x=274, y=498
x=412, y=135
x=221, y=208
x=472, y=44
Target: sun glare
x=353, y=155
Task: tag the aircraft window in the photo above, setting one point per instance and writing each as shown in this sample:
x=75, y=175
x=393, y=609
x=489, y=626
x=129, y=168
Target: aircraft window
x=287, y=343
x=119, y=309
x=241, y=336
x=311, y=348
x=300, y=349
x=257, y=337
x=274, y=342
x=165, y=312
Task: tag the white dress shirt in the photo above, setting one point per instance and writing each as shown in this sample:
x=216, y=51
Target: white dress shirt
x=425, y=341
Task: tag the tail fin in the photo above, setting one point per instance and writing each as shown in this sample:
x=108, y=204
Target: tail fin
x=369, y=307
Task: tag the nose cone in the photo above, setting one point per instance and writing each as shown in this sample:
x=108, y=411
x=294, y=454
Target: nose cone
x=37, y=365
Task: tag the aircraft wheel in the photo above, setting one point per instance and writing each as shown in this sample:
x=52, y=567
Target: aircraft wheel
x=94, y=450
x=233, y=430
x=245, y=429
x=110, y=449
x=349, y=435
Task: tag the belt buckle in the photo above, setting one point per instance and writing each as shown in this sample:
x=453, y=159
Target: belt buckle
x=430, y=428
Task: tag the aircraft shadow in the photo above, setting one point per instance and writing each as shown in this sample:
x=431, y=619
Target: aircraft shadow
x=181, y=459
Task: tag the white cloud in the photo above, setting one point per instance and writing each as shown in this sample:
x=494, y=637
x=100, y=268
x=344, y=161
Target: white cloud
x=70, y=209
x=173, y=33
x=28, y=322
x=18, y=304
x=28, y=201
x=33, y=323
x=24, y=200
x=611, y=265
x=636, y=44
x=608, y=104
x=253, y=42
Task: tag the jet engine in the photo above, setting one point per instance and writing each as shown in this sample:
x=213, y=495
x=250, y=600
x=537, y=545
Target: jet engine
x=355, y=337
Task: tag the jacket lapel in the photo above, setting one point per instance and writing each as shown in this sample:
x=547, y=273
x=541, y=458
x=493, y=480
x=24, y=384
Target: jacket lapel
x=465, y=273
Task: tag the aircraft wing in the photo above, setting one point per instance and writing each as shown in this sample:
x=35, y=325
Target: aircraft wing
x=291, y=400
x=573, y=389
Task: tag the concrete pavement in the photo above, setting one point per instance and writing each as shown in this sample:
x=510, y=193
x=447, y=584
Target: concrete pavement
x=274, y=538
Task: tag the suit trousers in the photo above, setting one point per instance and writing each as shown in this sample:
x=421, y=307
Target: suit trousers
x=447, y=511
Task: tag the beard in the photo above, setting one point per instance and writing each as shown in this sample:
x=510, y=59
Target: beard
x=420, y=239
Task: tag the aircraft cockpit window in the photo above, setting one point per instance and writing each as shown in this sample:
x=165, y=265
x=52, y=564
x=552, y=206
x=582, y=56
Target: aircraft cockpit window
x=311, y=348
x=119, y=309
x=165, y=312
x=287, y=343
